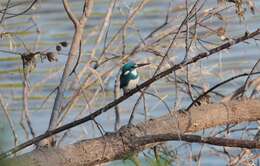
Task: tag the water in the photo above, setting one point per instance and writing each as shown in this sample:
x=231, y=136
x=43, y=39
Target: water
x=54, y=26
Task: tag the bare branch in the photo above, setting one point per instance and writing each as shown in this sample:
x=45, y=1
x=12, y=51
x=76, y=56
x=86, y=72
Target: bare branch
x=141, y=141
x=71, y=15
x=79, y=30
x=133, y=91
x=145, y=135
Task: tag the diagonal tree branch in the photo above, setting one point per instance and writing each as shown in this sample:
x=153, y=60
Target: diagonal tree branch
x=146, y=135
x=250, y=144
x=133, y=91
x=79, y=30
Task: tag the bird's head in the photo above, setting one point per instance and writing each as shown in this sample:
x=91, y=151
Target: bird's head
x=129, y=76
x=131, y=66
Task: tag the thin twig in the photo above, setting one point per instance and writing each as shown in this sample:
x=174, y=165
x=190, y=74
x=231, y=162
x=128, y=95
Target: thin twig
x=218, y=85
x=248, y=77
x=9, y=119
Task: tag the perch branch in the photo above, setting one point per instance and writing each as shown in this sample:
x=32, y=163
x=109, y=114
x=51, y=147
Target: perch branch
x=117, y=145
x=131, y=92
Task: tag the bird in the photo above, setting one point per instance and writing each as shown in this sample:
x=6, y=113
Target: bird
x=129, y=76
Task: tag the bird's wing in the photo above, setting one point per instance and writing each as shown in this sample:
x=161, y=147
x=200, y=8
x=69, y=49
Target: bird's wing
x=122, y=81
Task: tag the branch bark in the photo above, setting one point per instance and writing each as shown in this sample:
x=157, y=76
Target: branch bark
x=147, y=83
x=77, y=37
x=144, y=135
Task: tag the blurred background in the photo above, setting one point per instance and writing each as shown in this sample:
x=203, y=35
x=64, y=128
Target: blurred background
x=137, y=30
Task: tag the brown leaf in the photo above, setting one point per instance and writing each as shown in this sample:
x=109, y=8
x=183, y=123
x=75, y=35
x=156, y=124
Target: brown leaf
x=51, y=56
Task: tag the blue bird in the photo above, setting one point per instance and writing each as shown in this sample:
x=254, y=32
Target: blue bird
x=129, y=77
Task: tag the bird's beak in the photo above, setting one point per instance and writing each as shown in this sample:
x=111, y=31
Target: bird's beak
x=142, y=64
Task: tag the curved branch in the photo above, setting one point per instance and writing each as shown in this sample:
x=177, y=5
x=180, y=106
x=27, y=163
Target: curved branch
x=249, y=144
x=88, y=5
x=77, y=37
x=130, y=93
x=145, y=135
x=69, y=12
x=218, y=85
x=23, y=12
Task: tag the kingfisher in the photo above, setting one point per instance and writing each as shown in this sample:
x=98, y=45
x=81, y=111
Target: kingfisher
x=129, y=76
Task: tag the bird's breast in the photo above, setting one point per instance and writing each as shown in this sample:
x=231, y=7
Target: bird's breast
x=132, y=83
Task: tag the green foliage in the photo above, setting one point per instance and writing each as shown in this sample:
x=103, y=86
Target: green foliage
x=135, y=160
x=160, y=162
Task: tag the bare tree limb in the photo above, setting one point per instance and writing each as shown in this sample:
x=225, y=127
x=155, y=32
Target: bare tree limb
x=22, y=12
x=71, y=15
x=145, y=135
x=131, y=92
x=250, y=144
x=72, y=54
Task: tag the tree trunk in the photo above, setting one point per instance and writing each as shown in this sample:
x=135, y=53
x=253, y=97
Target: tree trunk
x=137, y=138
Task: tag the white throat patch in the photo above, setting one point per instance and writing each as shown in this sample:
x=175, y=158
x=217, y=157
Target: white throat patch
x=134, y=72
